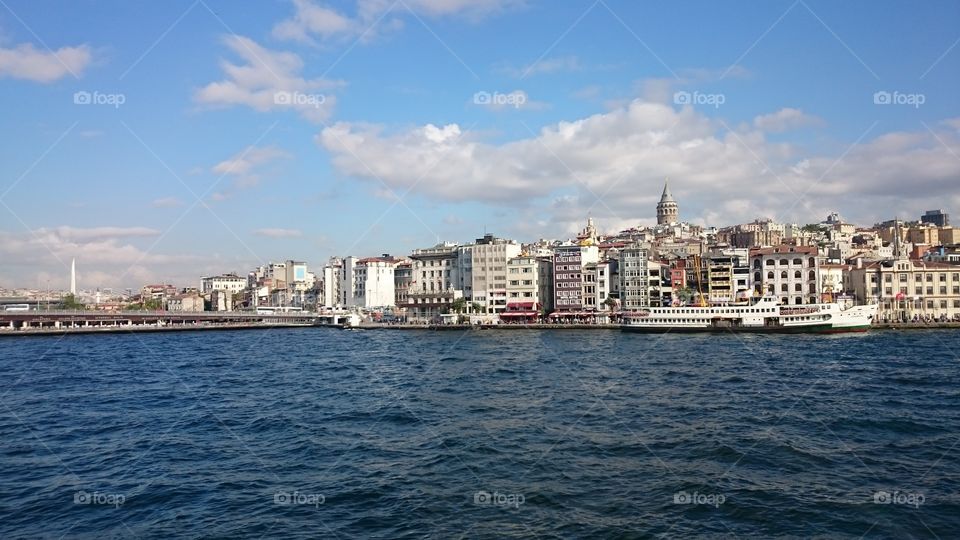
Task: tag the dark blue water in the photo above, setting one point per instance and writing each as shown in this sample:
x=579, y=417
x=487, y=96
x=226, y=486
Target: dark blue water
x=320, y=433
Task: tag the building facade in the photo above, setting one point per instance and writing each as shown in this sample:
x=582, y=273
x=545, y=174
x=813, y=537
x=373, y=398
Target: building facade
x=483, y=271
x=787, y=272
x=634, y=279
x=434, y=281
x=906, y=289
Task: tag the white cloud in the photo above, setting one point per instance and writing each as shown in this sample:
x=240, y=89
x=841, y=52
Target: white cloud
x=314, y=20
x=246, y=165
x=166, y=202
x=613, y=165
x=785, y=119
x=546, y=66
x=269, y=81
x=109, y=253
x=32, y=64
x=278, y=233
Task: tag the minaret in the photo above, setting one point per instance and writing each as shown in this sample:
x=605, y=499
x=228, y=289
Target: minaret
x=667, y=209
x=73, y=277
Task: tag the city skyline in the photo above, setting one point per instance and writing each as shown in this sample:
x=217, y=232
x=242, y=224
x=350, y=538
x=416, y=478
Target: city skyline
x=214, y=139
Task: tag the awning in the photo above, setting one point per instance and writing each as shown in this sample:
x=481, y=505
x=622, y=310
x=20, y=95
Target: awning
x=519, y=314
x=522, y=305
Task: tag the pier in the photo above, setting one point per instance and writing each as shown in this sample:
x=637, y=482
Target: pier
x=85, y=322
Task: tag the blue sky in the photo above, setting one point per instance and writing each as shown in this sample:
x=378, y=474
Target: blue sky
x=200, y=170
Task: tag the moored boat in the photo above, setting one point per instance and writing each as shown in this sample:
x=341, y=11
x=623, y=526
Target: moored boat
x=765, y=315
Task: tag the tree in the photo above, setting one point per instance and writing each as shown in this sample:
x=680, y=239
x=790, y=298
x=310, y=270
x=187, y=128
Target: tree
x=476, y=307
x=458, y=305
x=610, y=303
x=70, y=302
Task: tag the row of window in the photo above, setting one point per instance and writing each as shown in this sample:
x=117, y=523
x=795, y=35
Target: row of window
x=812, y=275
x=887, y=278
x=783, y=262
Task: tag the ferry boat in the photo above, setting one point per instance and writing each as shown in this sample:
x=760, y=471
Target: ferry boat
x=765, y=315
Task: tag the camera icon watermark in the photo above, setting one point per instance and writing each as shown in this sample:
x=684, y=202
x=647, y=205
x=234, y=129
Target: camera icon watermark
x=290, y=498
x=115, y=500
x=697, y=498
x=285, y=98
x=515, y=99
x=883, y=97
x=698, y=98
x=84, y=97
x=485, y=498
x=897, y=497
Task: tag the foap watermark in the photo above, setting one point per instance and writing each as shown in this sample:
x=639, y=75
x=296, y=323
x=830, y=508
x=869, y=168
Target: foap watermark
x=96, y=97
x=289, y=498
x=898, y=497
x=709, y=499
x=898, y=98
x=699, y=98
x=115, y=500
x=515, y=99
x=485, y=498
x=298, y=99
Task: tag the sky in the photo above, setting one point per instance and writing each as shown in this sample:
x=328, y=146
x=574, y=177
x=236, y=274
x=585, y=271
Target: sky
x=164, y=141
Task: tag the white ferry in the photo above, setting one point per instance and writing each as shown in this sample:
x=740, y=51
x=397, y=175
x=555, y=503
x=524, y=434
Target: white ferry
x=765, y=315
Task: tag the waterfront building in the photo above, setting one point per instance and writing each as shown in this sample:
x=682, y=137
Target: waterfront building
x=668, y=211
x=402, y=278
x=727, y=276
x=483, y=271
x=369, y=282
x=634, y=279
x=329, y=294
x=434, y=282
x=571, y=263
x=907, y=288
x=786, y=271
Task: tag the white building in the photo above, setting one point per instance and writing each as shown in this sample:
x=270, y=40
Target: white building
x=230, y=283
x=483, y=271
x=368, y=283
x=786, y=271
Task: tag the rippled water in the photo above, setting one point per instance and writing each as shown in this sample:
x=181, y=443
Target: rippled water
x=314, y=433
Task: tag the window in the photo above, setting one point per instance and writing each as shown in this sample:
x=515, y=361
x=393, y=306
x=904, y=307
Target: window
x=798, y=275
x=770, y=262
x=813, y=275
x=769, y=275
x=798, y=287
x=783, y=275
x=813, y=262
x=757, y=276
x=783, y=287
x=797, y=262
x=783, y=262
x=903, y=277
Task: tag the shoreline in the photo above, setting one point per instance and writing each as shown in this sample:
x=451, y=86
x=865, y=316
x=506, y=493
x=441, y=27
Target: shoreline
x=375, y=326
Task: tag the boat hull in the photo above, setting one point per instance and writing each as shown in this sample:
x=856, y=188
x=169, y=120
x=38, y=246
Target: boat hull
x=811, y=329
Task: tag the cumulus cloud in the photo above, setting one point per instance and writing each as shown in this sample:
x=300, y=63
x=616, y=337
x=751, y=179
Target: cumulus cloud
x=278, y=233
x=246, y=166
x=29, y=63
x=785, y=119
x=111, y=252
x=613, y=164
x=269, y=80
x=313, y=20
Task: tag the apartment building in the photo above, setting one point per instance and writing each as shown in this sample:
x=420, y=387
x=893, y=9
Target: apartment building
x=483, y=271
x=434, y=281
x=906, y=288
x=787, y=272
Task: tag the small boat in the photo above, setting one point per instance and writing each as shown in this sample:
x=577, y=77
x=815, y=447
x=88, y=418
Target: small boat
x=764, y=315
